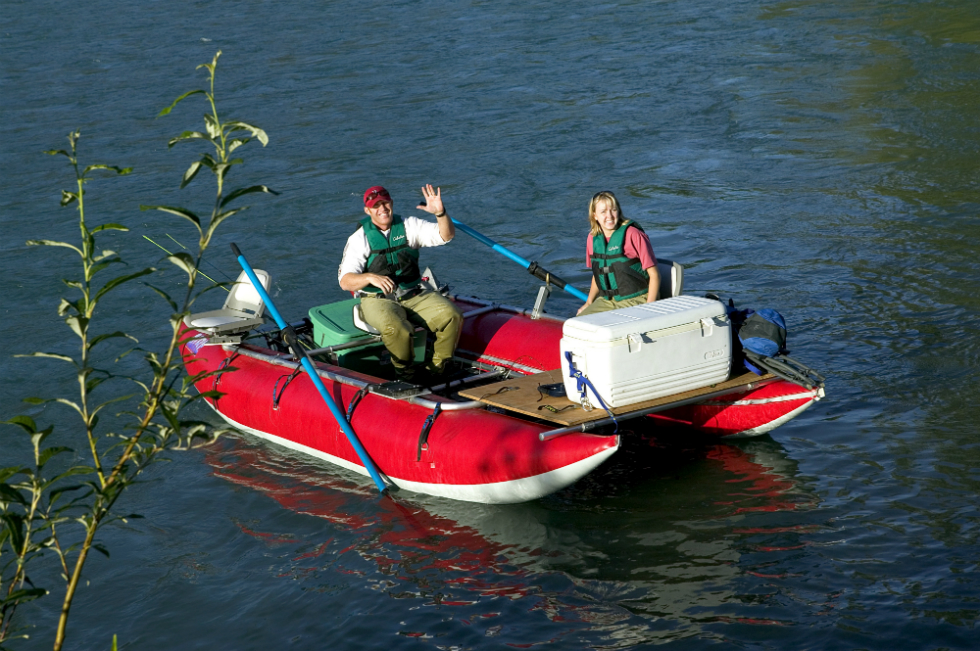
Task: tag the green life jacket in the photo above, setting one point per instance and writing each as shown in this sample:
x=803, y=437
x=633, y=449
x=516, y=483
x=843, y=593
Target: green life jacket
x=391, y=256
x=617, y=276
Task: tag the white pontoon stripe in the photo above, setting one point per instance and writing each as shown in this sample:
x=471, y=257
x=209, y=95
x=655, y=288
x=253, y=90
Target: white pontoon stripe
x=768, y=427
x=809, y=395
x=504, y=492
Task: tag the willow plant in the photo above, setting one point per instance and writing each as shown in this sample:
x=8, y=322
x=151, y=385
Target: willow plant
x=59, y=512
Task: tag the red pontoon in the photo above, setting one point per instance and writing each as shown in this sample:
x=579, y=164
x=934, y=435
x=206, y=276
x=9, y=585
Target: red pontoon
x=488, y=436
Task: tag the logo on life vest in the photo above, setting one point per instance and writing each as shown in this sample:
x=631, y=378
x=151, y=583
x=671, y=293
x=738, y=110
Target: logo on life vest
x=613, y=249
x=399, y=237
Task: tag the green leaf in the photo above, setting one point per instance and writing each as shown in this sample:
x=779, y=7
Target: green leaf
x=211, y=66
x=61, y=490
x=112, y=168
x=110, y=335
x=167, y=110
x=94, y=269
x=8, y=472
x=92, y=385
x=188, y=135
x=78, y=324
x=256, y=132
x=243, y=191
x=221, y=169
x=165, y=295
x=184, y=261
x=24, y=595
x=9, y=494
x=214, y=129
x=105, y=254
x=68, y=197
x=119, y=280
x=14, y=524
x=67, y=403
x=236, y=143
x=55, y=152
x=66, y=305
x=221, y=216
x=47, y=453
x=54, y=243
x=208, y=161
x=64, y=358
x=180, y=212
x=112, y=400
x=37, y=438
x=110, y=227
x=101, y=548
x=74, y=470
x=190, y=173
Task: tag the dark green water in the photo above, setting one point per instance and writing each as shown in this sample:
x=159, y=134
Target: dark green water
x=817, y=157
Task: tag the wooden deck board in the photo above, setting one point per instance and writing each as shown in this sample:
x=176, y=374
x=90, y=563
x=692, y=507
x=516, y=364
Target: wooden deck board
x=521, y=395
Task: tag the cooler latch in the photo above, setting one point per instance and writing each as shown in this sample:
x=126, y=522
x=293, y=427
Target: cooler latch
x=634, y=342
x=707, y=326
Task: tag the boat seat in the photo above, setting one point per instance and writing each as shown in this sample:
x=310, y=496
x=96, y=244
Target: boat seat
x=360, y=323
x=671, y=278
x=428, y=280
x=242, y=310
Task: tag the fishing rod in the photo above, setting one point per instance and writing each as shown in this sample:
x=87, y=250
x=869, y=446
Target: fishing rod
x=198, y=271
x=219, y=269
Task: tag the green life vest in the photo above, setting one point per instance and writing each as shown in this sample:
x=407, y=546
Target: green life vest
x=617, y=276
x=391, y=256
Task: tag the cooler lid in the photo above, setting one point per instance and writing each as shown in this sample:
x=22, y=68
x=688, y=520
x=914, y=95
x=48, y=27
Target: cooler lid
x=649, y=317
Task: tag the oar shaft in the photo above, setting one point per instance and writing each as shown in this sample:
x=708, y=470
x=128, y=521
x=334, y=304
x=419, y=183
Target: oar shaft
x=536, y=270
x=289, y=337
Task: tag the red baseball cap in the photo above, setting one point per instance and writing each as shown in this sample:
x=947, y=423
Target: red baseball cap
x=375, y=194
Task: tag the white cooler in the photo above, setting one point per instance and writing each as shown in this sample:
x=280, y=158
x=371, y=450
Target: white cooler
x=648, y=351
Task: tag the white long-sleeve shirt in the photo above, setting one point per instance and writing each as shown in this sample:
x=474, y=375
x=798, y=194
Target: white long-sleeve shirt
x=419, y=233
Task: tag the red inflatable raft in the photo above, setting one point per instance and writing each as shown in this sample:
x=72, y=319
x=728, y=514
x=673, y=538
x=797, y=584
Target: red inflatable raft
x=476, y=439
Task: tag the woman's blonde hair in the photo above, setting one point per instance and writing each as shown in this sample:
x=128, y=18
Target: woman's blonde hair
x=605, y=195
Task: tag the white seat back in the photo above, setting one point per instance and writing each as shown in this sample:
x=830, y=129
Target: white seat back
x=244, y=297
x=360, y=323
x=671, y=278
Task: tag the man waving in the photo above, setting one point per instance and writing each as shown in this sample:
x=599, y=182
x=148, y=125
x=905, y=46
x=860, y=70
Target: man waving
x=381, y=264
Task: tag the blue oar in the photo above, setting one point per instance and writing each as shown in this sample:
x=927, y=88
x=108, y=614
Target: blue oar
x=533, y=267
x=289, y=336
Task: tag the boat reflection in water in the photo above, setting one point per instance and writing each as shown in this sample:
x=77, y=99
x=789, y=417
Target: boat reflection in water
x=669, y=540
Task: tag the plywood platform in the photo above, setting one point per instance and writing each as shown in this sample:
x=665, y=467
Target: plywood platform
x=521, y=395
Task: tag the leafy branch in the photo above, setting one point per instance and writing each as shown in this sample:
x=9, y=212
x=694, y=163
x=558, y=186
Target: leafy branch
x=61, y=510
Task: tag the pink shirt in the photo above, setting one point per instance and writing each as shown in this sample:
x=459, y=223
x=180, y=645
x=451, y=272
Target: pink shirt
x=636, y=245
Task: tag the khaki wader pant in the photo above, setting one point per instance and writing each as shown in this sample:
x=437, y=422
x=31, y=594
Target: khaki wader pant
x=396, y=321
x=604, y=304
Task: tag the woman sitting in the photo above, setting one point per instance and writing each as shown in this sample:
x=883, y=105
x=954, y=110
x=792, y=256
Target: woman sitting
x=624, y=268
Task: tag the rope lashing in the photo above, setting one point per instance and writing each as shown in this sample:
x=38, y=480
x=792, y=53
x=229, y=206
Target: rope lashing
x=581, y=383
